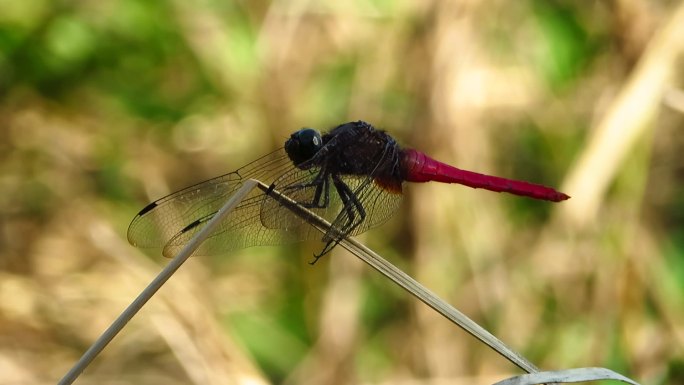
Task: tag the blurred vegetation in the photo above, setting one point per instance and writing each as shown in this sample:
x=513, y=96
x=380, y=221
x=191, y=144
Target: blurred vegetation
x=107, y=105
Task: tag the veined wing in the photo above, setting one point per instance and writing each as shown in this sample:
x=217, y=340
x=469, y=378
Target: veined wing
x=162, y=221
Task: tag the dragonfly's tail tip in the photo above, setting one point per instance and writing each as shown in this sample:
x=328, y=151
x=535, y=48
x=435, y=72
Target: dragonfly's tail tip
x=562, y=197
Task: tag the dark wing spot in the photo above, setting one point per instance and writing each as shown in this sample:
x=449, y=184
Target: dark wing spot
x=191, y=226
x=147, y=209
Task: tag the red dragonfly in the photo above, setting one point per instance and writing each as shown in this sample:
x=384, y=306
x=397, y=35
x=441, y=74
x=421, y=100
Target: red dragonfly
x=352, y=176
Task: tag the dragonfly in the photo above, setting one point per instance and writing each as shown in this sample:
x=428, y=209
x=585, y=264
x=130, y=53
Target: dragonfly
x=352, y=176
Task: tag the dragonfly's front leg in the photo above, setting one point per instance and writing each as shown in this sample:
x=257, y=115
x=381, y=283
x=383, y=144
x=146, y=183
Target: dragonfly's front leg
x=322, y=191
x=321, y=195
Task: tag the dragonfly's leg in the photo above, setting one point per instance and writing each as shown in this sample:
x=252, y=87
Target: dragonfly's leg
x=351, y=204
x=321, y=183
x=343, y=192
x=326, y=192
x=328, y=247
x=322, y=191
x=355, y=216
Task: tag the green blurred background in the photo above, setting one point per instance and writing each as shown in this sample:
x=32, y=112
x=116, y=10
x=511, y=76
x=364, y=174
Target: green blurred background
x=107, y=105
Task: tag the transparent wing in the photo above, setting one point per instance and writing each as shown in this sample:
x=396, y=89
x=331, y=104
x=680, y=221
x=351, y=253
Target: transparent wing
x=259, y=220
x=244, y=228
x=167, y=221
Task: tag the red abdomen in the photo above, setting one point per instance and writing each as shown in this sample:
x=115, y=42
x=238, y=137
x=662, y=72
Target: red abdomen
x=418, y=167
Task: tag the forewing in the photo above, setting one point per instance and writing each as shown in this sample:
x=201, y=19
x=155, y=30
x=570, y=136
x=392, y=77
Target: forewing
x=261, y=219
x=173, y=218
x=242, y=228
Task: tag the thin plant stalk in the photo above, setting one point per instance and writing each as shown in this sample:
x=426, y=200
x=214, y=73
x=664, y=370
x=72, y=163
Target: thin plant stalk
x=155, y=285
x=402, y=279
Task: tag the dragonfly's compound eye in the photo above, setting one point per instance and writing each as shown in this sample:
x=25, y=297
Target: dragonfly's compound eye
x=303, y=145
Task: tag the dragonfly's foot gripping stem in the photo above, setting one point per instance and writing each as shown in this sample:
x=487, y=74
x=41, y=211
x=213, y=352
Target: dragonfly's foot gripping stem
x=328, y=247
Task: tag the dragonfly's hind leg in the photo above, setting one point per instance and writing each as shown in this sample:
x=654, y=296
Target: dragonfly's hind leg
x=328, y=247
x=351, y=206
x=353, y=211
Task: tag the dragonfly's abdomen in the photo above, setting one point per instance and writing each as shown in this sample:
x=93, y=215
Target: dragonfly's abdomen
x=418, y=167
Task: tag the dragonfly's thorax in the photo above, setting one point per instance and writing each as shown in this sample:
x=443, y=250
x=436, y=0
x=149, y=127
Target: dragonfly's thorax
x=358, y=149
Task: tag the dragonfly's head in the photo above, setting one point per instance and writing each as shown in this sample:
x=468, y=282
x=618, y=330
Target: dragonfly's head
x=303, y=145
